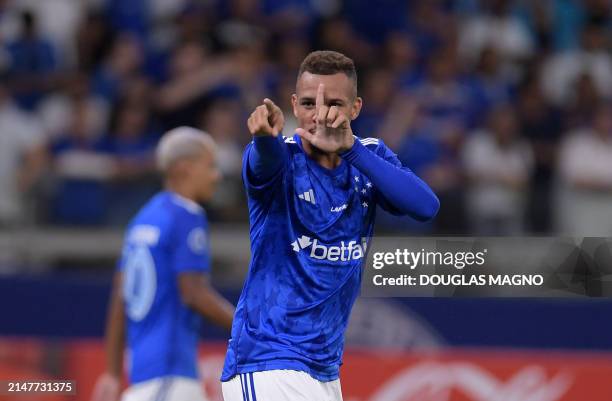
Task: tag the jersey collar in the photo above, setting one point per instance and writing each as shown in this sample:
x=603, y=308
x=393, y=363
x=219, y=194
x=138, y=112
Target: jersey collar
x=188, y=204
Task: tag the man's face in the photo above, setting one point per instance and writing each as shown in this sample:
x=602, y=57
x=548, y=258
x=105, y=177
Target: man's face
x=339, y=92
x=204, y=174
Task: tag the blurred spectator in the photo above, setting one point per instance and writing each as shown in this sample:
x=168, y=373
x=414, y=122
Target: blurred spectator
x=447, y=102
x=491, y=82
x=248, y=12
x=58, y=22
x=131, y=141
x=56, y=109
x=131, y=145
x=562, y=71
x=289, y=17
x=32, y=63
x=129, y=16
x=122, y=63
x=192, y=76
x=377, y=88
x=499, y=29
x=540, y=17
x=433, y=155
x=9, y=21
x=571, y=16
x=254, y=76
x=81, y=168
x=498, y=164
x=22, y=158
x=338, y=34
x=585, y=168
x=93, y=41
x=138, y=91
x=541, y=124
x=374, y=23
x=584, y=99
x=285, y=88
x=291, y=51
x=224, y=121
x=401, y=57
x=430, y=26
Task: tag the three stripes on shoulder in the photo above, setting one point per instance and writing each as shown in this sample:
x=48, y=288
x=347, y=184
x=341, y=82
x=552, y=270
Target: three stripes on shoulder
x=368, y=141
x=364, y=141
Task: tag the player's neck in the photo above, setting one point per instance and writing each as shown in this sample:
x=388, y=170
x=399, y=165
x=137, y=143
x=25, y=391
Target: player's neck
x=324, y=159
x=180, y=189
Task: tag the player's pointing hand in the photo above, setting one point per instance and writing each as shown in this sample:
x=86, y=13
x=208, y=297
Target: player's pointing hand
x=266, y=119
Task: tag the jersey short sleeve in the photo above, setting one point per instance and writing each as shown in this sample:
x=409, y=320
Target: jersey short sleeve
x=190, y=243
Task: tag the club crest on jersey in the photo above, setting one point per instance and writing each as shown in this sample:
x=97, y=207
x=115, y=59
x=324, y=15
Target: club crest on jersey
x=342, y=252
x=197, y=240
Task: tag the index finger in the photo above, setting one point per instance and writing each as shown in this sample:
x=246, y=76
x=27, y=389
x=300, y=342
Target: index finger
x=320, y=101
x=270, y=105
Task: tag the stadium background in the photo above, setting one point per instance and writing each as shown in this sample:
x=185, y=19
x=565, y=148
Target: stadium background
x=499, y=105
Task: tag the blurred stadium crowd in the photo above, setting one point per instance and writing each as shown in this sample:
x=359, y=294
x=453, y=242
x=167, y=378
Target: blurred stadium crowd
x=500, y=105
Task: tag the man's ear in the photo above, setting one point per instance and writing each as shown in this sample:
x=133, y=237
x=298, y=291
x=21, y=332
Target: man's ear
x=294, y=104
x=356, y=108
x=180, y=168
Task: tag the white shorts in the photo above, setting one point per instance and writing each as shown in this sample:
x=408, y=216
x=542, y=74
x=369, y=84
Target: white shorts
x=169, y=388
x=280, y=385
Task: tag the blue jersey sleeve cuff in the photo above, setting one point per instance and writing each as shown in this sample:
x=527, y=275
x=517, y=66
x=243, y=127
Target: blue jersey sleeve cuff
x=354, y=152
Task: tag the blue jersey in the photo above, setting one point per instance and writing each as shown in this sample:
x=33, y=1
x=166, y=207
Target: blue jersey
x=309, y=232
x=167, y=237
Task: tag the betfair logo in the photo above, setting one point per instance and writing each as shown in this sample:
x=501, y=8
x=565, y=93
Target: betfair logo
x=342, y=252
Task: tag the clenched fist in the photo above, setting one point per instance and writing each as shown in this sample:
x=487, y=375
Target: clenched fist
x=267, y=119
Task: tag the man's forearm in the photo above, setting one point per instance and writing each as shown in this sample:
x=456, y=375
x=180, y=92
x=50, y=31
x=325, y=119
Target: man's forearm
x=266, y=157
x=211, y=305
x=406, y=192
x=197, y=293
x=115, y=330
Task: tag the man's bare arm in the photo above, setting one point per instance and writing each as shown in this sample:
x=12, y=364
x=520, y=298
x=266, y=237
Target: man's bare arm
x=115, y=329
x=197, y=293
x=108, y=384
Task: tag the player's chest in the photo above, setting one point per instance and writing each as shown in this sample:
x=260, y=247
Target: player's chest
x=329, y=205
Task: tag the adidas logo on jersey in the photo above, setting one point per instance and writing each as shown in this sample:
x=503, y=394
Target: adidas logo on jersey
x=308, y=196
x=343, y=252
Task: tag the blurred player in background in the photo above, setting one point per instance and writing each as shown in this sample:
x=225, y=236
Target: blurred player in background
x=161, y=288
x=312, y=200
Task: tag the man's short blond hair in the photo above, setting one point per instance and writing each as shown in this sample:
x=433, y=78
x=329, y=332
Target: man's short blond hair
x=181, y=143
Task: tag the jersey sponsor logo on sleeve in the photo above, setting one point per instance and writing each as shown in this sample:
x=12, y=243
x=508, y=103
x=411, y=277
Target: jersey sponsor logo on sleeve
x=343, y=252
x=197, y=240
